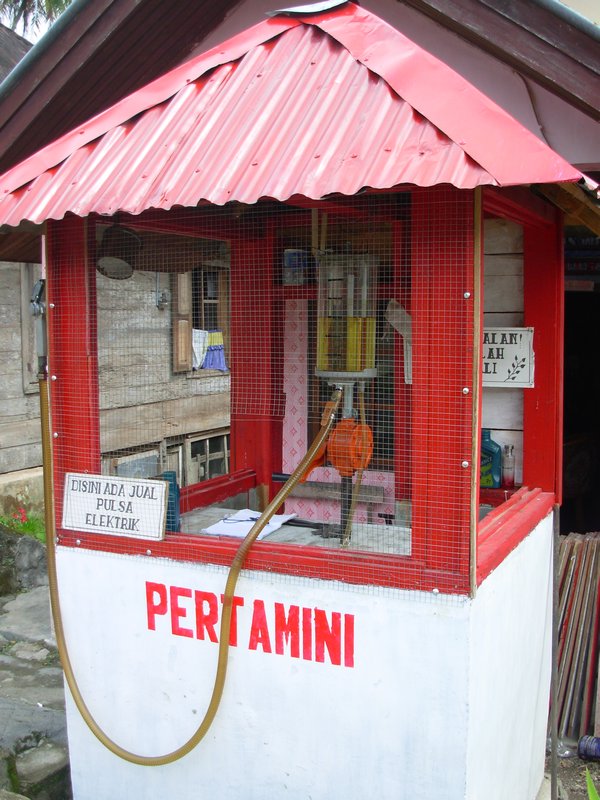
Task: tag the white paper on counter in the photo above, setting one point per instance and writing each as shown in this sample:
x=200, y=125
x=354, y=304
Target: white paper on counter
x=240, y=523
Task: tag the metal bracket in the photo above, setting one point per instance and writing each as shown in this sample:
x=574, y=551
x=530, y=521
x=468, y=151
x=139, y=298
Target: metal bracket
x=38, y=312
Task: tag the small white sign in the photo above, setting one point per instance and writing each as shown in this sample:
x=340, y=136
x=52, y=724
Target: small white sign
x=117, y=506
x=508, y=357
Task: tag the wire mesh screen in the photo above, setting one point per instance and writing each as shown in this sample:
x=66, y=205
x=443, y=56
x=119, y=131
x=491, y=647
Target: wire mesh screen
x=201, y=345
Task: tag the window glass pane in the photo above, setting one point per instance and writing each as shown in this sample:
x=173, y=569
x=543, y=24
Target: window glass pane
x=211, y=317
x=197, y=298
x=216, y=467
x=211, y=285
x=215, y=445
x=198, y=449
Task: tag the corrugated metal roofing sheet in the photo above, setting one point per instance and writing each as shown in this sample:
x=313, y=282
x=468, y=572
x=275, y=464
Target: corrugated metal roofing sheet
x=330, y=103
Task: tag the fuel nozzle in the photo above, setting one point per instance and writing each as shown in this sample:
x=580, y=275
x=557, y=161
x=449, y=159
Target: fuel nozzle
x=38, y=312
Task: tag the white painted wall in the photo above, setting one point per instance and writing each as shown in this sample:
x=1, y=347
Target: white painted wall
x=423, y=712
x=510, y=660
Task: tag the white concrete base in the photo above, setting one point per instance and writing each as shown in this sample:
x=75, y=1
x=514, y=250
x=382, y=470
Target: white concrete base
x=374, y=693
x=510, y=666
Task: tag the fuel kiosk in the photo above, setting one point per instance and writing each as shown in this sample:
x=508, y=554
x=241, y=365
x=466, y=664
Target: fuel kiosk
x=286, y=287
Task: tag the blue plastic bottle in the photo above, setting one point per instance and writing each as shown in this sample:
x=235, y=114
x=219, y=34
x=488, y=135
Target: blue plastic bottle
x=589, y=748
x=491, y=461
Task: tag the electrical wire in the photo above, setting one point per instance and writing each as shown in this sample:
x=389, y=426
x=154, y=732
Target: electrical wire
x=327, y=421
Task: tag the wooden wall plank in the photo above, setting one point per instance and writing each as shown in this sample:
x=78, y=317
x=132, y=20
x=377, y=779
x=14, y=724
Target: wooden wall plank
x=122, y=428
x=503, y=264
x=503, y=408
x=503, y=293
x=25, y=456
x=502, y=236
x=17, y=433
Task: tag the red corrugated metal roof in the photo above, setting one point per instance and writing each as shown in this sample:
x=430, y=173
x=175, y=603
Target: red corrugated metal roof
x=313, y=105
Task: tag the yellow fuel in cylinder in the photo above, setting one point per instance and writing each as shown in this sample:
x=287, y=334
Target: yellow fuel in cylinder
x=346, y=325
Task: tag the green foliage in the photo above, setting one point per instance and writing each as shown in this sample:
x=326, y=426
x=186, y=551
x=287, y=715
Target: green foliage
x=31, y=525
x=13, y=775
x=30, y=14
x=592, y=793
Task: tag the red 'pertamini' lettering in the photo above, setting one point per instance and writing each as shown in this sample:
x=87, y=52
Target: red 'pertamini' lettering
x=310, y=633
x=307, y=634
x=348, y=640
x=287, y=630
x=259, y=632
x=328, y=636
x=156, y=602
x=175, y=592
x=236, y=602
x=207, y=614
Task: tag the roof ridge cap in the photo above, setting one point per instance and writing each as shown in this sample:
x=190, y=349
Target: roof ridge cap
x=414, y=87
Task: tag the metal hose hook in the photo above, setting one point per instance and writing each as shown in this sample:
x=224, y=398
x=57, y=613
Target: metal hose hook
x=327, y=421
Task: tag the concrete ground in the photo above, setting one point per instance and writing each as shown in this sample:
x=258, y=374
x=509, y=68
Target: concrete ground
x=33, y=737
x=572, y=778
x=545, y=792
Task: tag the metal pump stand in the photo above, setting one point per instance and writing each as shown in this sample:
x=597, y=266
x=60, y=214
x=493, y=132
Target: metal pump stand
x=346, y=482
x=349, y=449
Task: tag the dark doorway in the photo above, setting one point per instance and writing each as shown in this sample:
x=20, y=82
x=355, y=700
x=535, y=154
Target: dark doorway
x=581, y=466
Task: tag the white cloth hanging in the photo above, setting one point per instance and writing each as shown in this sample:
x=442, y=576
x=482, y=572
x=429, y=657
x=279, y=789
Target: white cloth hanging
x=199, y=347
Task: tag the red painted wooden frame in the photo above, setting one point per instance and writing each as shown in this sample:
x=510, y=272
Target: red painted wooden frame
x=200, y=495
x=440, y=537
x=509, y=523
x=72, y=351
x=442, y=257
x=544, y=311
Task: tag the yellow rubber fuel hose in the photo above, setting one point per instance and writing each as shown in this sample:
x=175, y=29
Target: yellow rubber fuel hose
x=327, y=421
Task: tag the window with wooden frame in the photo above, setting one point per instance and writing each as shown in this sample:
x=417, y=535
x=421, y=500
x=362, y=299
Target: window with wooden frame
x=200, y=313
x=207, y=457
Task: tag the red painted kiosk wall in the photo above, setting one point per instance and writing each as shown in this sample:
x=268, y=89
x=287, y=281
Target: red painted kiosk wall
x=426, y=245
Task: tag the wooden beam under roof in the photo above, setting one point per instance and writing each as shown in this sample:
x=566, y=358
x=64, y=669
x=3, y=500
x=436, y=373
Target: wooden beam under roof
x=579, y=207
x=97, y=52
x=530, y=38
x=21, y=246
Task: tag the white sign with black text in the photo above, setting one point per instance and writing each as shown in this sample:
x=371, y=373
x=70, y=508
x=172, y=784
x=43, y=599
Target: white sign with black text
x=117, y=506
x=508, y=357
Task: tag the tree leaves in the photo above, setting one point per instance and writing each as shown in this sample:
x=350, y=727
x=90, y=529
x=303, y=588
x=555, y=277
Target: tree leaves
x=30, y=14
x=592, y=793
